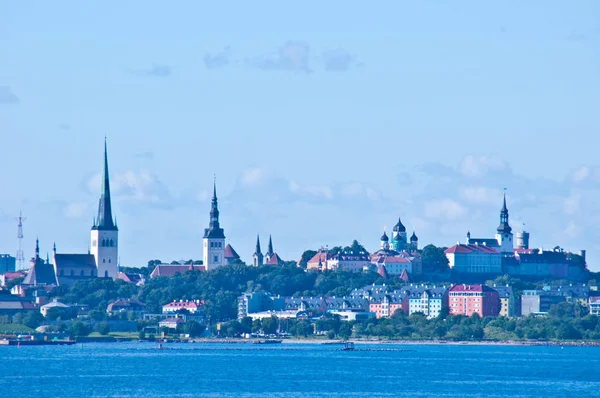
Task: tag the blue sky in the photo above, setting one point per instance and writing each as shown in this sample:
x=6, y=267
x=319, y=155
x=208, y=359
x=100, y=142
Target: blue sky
x=323, y=121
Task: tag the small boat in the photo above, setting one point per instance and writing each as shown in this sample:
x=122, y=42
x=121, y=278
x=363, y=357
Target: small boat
x=267, y=342
x=348, y=346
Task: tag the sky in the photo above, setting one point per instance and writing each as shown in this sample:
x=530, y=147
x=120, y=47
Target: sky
x=322, y=121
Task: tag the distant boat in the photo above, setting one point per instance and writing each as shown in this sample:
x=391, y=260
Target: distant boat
x=267, y=342
x=348, y=346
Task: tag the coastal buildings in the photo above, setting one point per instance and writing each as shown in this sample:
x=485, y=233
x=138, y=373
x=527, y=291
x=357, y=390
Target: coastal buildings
x=503, y=240
x=474, y=259
x=594, y=303
x=470, y=299
x=538, y=302
x=7, y=263
x=53, y=304
x=126, y=305
x=187, y=306
x=388, y=304
x=429, y=301
x=170, y=270
x=507, y=300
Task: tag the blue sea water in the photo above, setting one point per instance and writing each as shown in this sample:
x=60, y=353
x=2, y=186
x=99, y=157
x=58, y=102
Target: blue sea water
x=245, y=370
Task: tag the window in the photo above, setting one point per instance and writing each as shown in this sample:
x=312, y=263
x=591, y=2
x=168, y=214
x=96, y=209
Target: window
x=212, y=244
x=216, y=259
x=112, y=243
x=109, y=260
x=72, y=273
x=94, y=243
x=106, y=274
x=103, y=260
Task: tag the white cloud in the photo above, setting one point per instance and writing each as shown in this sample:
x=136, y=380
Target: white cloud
x=581, y=174
x=322, y=191
x=356, y=189
x=447, y=209
x=572, y=230
x=571, y=204
x=480, y=195
x=133, y=186
x=252, y=176
x=479, y=166
x=75, y=210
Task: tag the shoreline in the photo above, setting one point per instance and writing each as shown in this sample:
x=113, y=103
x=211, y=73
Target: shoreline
x=406, y=342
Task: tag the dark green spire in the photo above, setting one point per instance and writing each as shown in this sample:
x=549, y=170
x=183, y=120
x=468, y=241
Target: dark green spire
x=270, y=248
x=105, y=220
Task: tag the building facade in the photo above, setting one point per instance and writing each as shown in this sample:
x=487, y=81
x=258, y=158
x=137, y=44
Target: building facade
x=7, y=263
x=474, y=259
x=473, y=299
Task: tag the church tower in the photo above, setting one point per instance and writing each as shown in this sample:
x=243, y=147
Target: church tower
x=214, y=237
x=399, y=236
x=104, y=236
x=385, y=244
x=504, y=234
x=257, y=257
x=270, y=251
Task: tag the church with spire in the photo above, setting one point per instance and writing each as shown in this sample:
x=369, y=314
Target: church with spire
x=102, y=259
x=214, y=237
x=503, y=240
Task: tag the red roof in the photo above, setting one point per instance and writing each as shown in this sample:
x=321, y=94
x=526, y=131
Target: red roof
x=172, y=270
x=471, y=288
x=184, y=304
x=274, y=260
x=466, y=249
x=14, y=275
x=321, y=256
x=230, y=252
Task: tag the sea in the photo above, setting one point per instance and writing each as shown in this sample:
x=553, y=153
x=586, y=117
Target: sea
x=297, y=370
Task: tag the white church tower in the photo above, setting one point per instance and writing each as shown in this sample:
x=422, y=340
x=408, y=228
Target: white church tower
x=104, y=236
x=504, y=234
x=214, y=238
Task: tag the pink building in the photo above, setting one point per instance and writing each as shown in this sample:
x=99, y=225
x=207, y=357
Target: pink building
x=470, y=299
x=388, y=304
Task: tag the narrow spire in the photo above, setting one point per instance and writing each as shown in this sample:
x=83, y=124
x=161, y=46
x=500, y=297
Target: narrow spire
x=257, y=251
x=504, y=201
x=270, y=248
x=54, y=247
x=105, y=218
x=215, y=187
x=37, y=247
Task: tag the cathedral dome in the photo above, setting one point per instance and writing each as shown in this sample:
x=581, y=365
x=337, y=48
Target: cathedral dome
x=399, y=227
x=384, y=237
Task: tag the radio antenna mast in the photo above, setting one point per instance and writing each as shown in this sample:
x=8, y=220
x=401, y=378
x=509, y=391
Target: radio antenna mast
x=20, y=257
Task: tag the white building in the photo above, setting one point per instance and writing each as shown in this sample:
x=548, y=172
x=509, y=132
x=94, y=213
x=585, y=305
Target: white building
x=214, y=238
x=474, y=258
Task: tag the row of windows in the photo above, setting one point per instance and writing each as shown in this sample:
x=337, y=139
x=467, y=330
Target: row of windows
x=72, y=273
x=105, y=243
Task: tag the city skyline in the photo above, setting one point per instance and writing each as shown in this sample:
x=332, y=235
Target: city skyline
x=323, y=123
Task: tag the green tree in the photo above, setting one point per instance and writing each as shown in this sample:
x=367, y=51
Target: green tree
x=80, y=329
x=270, y=325
x=306, y=256
x=434, y=259
x=33, y=319
x=194, y=328
x=103, y=328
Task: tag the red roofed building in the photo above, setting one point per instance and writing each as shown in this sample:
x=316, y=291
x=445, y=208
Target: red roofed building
x=272, y=258
x=470, y=299
x=474, y=259
x=231, y=256
x=177, y=306
x=319, y=261
x=169, y=270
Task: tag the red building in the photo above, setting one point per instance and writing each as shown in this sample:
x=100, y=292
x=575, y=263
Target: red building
x=470, y=299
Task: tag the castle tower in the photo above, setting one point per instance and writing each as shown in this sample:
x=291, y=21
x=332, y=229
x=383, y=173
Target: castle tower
x=385, y=244
x=257, y=257
x=104, y=235
x=504, y=234
x=522, y=239
x=399, y=236
x=214, y=237
x=270, y=251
